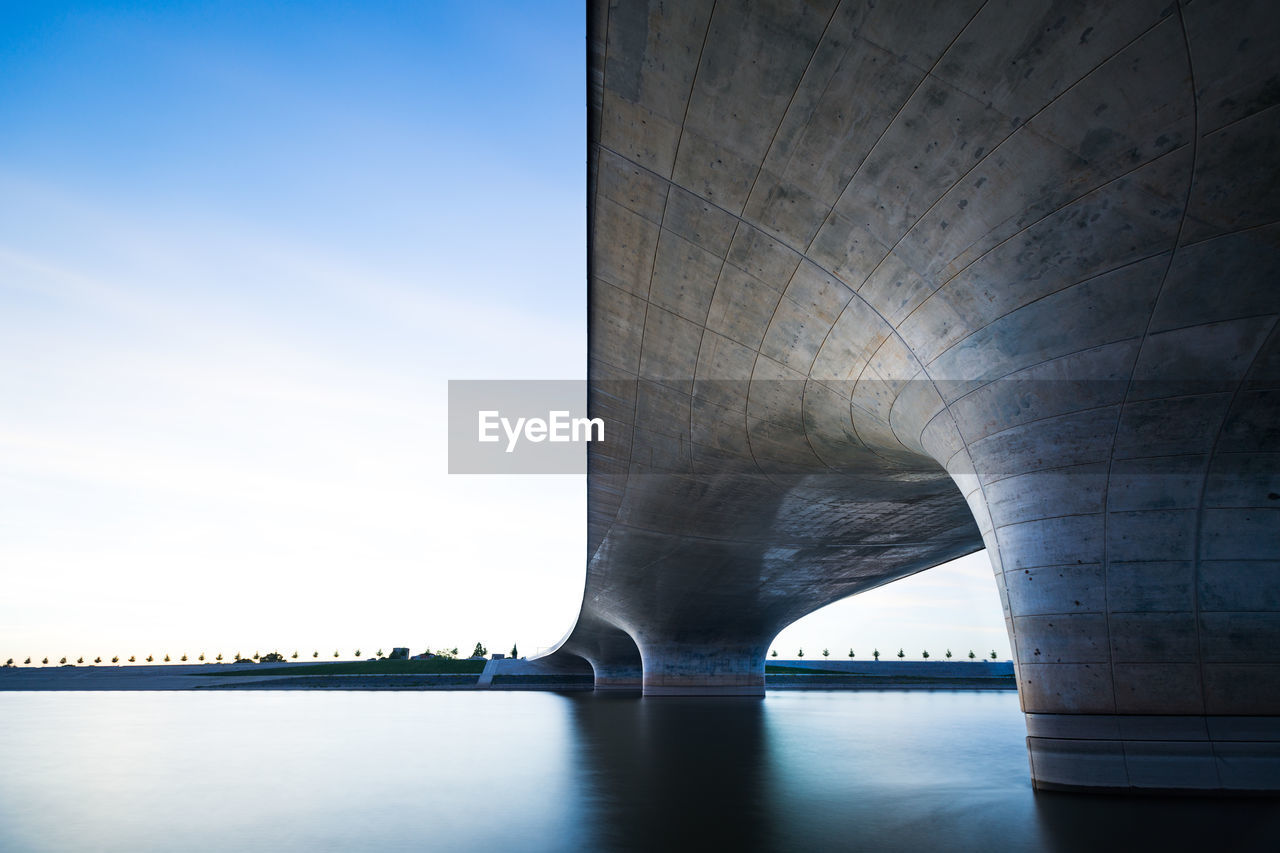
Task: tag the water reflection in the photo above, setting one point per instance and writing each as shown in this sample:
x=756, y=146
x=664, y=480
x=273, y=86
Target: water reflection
x=286, y=771
x=873, y=771
x=884, y=771
x=1075, y=822
x=312, y=771
x=661, y=773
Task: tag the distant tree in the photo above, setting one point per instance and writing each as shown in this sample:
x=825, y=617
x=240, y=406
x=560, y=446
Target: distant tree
x=295, y=654
x=335, y=653
x=255, y=655
x=479, y=651
x=971, y=654
x=850, y=652
x=514, y=652
x=272, y=657
x=378, y=653
x=150, y=658
x=132, y=659
x=316, y=653
x=80, y=660
x=774, y=653
x=28, y=660
x=948, y=654
x=166, y=658
x=993, y=654
x=901, y=653
x=925, y=654
x=98, y=659
x=115, y=659
x=45, y=661
x=9, y=662
x=219, y=657
x=826, y=653
x=454, y=651
x=357, y=653
x=876, y=654
x=62, y=660
x=800, y=653
x=201, y=657
x=237, y=657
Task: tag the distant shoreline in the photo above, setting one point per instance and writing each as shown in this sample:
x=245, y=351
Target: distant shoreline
x=484, y=675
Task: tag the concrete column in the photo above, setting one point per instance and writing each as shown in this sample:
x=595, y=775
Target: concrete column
x=703, y=668
x=620, y=677
x=1134, y=530
x=609, y=649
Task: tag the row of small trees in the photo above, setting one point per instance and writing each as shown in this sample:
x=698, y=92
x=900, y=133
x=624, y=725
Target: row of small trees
x=115, y=659
x=269, y=657
x=901, y=654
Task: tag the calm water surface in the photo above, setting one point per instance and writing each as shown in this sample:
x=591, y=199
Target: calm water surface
x=346, y=771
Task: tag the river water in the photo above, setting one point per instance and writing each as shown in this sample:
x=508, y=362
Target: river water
x=510, y=771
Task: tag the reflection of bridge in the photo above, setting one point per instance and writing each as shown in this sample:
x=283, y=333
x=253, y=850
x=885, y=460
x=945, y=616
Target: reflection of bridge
x=872, y=288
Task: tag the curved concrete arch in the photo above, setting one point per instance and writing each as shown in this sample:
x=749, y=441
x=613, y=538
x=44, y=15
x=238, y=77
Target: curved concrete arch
x=610, y=651
x=873, y=286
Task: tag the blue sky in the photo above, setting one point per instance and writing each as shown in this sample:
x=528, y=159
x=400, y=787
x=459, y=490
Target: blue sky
x=242, y=249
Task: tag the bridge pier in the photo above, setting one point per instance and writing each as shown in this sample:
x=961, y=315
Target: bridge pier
x=621, y=678
x=703, y=669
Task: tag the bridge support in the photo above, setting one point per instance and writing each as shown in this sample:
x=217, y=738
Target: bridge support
x=703, y=669
x=843, y=260
x=1110, y=752
x=1137, y=571
x=621, y=678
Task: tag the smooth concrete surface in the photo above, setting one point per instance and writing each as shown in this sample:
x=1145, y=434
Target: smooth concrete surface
x=875, y=285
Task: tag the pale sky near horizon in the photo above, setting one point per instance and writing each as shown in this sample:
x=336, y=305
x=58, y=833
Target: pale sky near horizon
x=242, y=250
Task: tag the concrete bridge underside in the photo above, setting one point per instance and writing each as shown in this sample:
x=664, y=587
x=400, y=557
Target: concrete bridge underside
x=875, y=285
